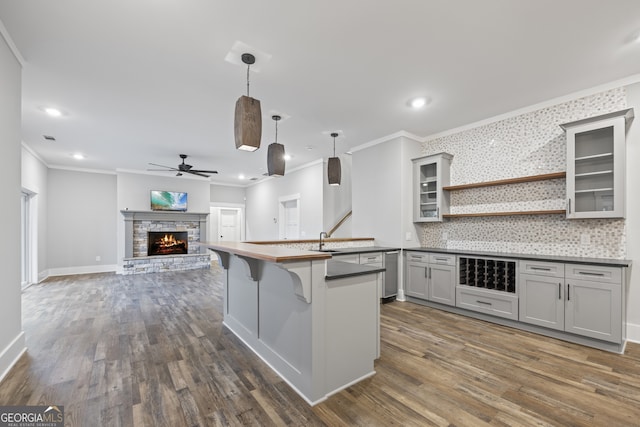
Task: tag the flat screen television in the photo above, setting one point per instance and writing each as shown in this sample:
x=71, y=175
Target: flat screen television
x=168, y=200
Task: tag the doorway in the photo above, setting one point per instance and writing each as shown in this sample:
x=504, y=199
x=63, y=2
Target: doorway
x=226, y=223
x=289, y=220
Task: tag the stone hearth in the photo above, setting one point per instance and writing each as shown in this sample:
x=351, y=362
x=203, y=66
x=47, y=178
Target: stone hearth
x=139, y=223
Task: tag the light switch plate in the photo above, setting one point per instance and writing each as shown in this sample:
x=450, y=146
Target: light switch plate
x=585, y=239
x=445, y=235
x=407, y=236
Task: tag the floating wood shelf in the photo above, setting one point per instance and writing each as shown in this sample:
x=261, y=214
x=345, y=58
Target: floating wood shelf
x=543, y=177
x=468, y=215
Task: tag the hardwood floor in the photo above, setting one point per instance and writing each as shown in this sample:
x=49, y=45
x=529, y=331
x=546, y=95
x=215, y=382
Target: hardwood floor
x=150, y=350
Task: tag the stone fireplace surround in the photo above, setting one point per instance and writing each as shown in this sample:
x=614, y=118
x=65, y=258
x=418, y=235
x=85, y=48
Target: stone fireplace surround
x=137, y=224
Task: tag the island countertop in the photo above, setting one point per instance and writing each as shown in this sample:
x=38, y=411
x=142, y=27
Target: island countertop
x=266, y=253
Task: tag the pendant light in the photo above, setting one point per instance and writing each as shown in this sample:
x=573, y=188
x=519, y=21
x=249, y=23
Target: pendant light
x=275, y=154
x=247, y=122
x=334, y=171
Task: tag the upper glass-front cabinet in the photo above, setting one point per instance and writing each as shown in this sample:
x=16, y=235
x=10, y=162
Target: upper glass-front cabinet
x=430, y=174
x=596, y=165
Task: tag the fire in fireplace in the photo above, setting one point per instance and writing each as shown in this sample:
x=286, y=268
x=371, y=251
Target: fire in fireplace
x=167, y=243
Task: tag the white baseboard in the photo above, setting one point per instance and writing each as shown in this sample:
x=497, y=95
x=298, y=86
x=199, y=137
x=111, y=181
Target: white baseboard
x=88, y=269
x=11, y=354
x=633, y=333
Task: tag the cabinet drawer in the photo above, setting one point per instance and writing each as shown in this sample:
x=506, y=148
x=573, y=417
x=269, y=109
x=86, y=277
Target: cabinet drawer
x=487, y=302
x=541, y=268
x=417, y=257
x=442, y=259
x=593, y=273
x=374, y=258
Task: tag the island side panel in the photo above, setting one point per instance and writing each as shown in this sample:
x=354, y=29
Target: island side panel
x=241, y=315
x=351, y=316
x=285, y=324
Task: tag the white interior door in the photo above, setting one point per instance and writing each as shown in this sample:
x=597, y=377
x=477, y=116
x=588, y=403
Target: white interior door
x=229, y=224
x=289, y=218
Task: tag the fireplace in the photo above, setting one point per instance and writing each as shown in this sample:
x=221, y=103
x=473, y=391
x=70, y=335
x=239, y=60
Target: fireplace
x=167, y=242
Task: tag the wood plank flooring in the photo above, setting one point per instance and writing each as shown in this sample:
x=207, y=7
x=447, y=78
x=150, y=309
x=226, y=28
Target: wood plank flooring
x=150, y=350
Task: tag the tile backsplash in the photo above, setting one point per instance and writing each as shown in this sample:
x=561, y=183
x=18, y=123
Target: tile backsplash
x=529, y=144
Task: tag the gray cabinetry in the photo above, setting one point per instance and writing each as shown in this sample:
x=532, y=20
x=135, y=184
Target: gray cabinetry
x=581, y=299
x=542, y=294
x=431, y=277
x=430, y=174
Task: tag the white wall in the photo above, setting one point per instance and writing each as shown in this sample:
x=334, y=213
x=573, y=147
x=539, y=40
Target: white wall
x=226, y=194
x=34, y=180
x=80, y=222
x=633, y=214
x=12, y=342
x=262, y=203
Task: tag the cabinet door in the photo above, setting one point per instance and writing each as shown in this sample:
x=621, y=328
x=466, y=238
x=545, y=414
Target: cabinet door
x=541, y=301
x=594, y=309
x=430, y=174
x=595, y=168
x=442, y=284
x=417, y=284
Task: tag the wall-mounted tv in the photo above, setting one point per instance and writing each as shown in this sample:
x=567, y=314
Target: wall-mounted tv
x=168, y=201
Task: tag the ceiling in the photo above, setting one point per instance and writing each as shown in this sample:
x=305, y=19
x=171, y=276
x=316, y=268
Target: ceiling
x=143, y=81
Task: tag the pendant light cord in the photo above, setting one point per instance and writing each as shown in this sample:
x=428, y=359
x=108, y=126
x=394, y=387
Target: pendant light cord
x=334, y=146
x=248, y=66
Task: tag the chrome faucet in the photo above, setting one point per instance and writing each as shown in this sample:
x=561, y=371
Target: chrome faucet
x=322, y=244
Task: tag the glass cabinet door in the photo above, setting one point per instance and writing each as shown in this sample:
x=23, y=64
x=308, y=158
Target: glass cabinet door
x=431, y=173
x=595, y=166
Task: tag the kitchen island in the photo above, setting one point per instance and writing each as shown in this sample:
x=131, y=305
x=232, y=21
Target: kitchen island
x=313, y=320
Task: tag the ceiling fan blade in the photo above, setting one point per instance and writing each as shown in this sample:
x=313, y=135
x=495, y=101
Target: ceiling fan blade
x=203, y=171
x=163, y=166
x=197, y=173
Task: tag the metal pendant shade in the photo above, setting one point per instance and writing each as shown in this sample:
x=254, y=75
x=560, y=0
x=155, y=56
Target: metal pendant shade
x=275, y=155
x=334, y=169
x=247, y=124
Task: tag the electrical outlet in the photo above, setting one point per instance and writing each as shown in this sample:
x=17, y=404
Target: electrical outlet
x=445, y=236
x=98, y=258
x=585, y=239
x=408, y=236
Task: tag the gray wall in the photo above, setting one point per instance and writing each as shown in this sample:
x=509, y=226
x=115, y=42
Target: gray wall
x=382, y=192
x=633, y=213
x=134, y=192
x=80, y=221
x=337, y=199
x=262, y=203
x=11, y=337
x=34, y=180
x=226, y=194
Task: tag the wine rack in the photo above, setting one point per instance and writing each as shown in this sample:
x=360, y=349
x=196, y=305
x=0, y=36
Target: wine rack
x=485, y=273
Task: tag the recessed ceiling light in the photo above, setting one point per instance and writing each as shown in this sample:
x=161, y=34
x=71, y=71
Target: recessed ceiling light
x=241, y=176
x=418, y=102
x=53, y=112
x=78, y=156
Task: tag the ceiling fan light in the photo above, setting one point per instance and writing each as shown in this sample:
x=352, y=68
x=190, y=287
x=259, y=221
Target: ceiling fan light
x=248, y=124
x=275, y=159
x=334, y=171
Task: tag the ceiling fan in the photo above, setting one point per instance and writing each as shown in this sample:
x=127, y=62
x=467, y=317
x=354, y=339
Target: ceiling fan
x=183, y=168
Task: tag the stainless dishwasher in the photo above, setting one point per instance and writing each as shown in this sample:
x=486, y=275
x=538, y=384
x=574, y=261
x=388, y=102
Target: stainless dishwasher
x=390, y=280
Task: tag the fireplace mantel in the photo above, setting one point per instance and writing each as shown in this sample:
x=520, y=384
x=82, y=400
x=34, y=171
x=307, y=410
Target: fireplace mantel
x=131, y=216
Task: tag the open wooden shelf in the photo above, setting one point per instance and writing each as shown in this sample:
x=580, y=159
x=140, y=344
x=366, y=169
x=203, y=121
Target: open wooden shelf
x=543, y=177
x=469, y=215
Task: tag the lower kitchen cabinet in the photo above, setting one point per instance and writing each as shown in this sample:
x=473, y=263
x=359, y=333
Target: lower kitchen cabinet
x=581, y=299
x=431, y=277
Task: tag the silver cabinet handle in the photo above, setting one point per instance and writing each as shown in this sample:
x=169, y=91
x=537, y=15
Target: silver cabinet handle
x=441, y=259
x=540, y=268
x=568, y=292
x=483, y=302
x=429, y=273
x=559, y=290
x=569, y=205
x=587, y=273
x=425, y=273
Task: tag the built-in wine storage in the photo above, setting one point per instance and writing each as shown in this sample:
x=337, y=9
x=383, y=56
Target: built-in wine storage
x=499, y=275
